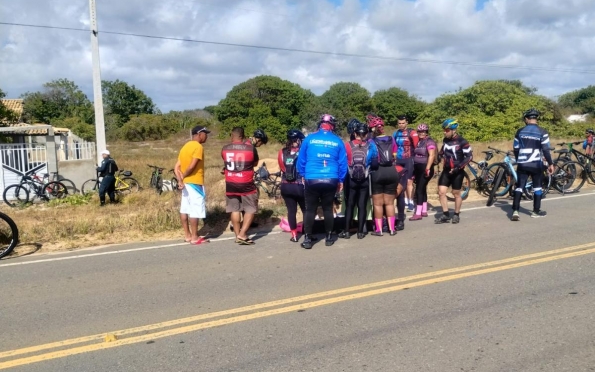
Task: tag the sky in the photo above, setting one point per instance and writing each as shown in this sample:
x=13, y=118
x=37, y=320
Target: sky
x=179, y=75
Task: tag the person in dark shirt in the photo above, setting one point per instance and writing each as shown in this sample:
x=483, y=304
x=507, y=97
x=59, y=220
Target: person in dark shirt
x=531, y=145
x=456, y=152
x=107, y=170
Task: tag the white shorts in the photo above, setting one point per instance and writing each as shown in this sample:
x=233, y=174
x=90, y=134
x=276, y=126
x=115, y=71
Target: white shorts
x=194, y=201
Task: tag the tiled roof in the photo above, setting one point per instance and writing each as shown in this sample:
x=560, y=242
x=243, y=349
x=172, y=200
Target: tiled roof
x=15, y=105
x=32, y=130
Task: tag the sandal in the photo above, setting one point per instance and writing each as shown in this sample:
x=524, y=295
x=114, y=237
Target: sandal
x=247, y=241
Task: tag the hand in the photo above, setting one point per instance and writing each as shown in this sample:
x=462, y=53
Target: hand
x=340, y=187
x=180, y=184
x=550, y=169
x=223, y=170
x=427, y=173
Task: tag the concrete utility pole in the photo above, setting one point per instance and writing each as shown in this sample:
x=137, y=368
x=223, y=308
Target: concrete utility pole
x=97, y=96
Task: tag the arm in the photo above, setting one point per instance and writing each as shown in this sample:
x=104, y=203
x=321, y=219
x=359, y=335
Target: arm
x=103, y=167
x=545, y=149
x=372, y=160
x=342, y=164
x=348, y=151
x=302, y=159
x=432, y=153
x=516, y=146
x=467, y=155
x=256, y=158
x=178, y=174
x=280, y=161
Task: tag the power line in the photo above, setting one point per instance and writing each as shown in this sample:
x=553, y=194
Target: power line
x=307, y=51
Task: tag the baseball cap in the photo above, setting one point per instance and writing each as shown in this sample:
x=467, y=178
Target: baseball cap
x=199, y=128
x=105, y=152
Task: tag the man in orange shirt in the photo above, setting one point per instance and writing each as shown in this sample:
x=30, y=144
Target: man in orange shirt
x=190, y=171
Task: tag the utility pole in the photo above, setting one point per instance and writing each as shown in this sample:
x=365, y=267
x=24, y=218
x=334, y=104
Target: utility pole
x=97, y=96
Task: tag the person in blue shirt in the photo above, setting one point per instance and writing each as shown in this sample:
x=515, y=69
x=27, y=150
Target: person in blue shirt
x=531, y=145
x=322, y=162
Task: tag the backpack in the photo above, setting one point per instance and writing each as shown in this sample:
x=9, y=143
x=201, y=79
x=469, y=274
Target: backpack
x=289, y=161
x=385, y=152
x=359, y=155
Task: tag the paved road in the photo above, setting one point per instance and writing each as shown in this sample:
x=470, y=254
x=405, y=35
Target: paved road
x=485, y=295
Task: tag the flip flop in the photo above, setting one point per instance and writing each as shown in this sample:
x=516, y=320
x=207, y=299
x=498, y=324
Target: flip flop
x=200, y=241
x=241, y=241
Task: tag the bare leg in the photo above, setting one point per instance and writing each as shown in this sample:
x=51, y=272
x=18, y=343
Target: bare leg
x=442, y=194
x=193, y=229
x=378, y=202
x=187, y=233
x=458, y=200
x=235, y=222
x=409, y=192
x=389, y=202
x=248, y=218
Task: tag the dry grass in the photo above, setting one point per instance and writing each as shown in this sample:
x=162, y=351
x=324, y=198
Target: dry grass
x=146, y=215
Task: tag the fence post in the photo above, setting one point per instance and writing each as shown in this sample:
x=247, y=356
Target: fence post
x=52, y=153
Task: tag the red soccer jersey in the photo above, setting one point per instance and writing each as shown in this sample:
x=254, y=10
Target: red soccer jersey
x=240, y=159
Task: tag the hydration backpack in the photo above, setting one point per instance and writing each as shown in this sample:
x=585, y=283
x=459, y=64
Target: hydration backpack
x=289, y=160
x=385, y=152
x=359, y=154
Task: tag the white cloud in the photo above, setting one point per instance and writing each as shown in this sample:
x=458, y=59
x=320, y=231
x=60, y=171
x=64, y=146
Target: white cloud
x=178, y=75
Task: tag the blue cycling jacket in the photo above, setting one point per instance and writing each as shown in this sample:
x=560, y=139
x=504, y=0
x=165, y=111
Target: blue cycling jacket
x=322, y=156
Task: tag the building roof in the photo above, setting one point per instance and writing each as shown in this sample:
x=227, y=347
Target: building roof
x=32, y=130
x=14, y=105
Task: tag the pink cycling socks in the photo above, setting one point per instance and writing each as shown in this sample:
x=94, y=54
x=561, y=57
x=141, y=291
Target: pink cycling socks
x=418, y=210
x=424, y=207
x=378, y=222
x=391, y=223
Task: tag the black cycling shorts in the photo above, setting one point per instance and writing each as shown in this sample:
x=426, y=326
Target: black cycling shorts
x=385, y=180
x=407, y=165
x=454, y=180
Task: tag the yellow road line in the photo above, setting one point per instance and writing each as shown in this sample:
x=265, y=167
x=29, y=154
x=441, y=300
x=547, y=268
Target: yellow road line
x=283, y=310
x=155, y=326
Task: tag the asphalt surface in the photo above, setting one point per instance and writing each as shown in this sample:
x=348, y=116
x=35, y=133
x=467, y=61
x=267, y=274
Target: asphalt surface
x=523, y=313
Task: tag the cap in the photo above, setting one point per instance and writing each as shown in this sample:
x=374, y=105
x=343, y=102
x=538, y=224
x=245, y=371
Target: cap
x=105, y=152
x=199, y=128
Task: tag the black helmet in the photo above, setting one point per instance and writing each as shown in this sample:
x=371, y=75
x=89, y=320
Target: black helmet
x=261, y=135
x=294, y=135
x=352, y=125
x=531, y=113
x=362, y=128
x=590, y=131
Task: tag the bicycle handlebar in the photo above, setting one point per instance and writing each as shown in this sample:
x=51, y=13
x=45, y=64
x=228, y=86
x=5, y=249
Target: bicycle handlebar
x=500, y=151
x=155, y=167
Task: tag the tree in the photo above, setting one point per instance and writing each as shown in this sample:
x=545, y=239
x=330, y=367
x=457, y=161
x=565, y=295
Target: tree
x=125, y=100
x=491, y=110
x=5, y=113
x=580, y=100
x=346, y=101
x=78, y=127
x=59, y=99
x=392, y=102
x=266, y=102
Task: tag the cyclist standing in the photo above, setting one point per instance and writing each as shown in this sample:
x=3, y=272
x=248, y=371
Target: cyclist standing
x=258, y=139
x=457, y=153
x=423, y=158
x=361, y=155
x=292, y=185
x=240, y=158
x=406, y=140
x=588, y=144
x=107, y=170
x=323, y=164
x=531, y=144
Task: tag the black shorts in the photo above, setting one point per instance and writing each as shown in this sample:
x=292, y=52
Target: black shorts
x=407, y=165
x=385, y=180
x=454, y=180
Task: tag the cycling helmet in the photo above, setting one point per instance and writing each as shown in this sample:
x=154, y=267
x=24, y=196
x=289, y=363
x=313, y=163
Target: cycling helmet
x=374, y=121
x=362, y=128
x=328, y=119
x=531, y=113
x=450, y=124
x=261, y=135
x=294, y=135
x=352, y=126
x=590, y=131
x=423, y=127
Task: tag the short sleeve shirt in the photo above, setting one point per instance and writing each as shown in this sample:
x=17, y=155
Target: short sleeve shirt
x=193, y=150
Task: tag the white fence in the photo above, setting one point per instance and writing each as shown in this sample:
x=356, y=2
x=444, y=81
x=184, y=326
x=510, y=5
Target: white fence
x=76, y=151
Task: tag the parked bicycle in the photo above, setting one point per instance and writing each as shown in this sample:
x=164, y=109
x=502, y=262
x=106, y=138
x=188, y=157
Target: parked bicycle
x=269, y=183
x=9, y=235
x=569, y=176
x=565, y=155
x=156, y=178
x=174, y=181
x=32, y=187
x=124, y=184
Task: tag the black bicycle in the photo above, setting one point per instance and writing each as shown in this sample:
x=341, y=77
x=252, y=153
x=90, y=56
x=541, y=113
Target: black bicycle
x=267, y=182
x=565, y=155
x=156, y=178
x=29, y=189
x=9, y=235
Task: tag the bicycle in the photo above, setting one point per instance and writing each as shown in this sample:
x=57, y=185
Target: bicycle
x=9, y=235
x=264, y=182
x=124, y=184
x=30, y=188
x=70, y=186
x=174, y=181
x=156, y=179
x=565, y=155
x=567, y=172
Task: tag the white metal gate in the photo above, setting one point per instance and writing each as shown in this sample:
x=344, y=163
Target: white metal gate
x=19, y=159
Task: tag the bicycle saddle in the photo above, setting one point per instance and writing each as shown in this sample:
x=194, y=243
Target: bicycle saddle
x=488, y=152
x=562, y=151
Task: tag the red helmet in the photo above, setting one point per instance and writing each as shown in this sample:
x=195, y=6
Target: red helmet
x=374, y=121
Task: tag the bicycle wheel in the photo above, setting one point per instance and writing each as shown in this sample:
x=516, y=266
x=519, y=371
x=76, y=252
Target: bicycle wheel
x=90, y=187
x=16, y=196
x=507, y=180
x=494, y=192
x=127, y=185
x=159, y=185
x=571, y=177
x=590, y=169
x=54, y=190
x=9, y=235
x=174, y=184
x=546, y=181
x=70, y=186
x=464, y=190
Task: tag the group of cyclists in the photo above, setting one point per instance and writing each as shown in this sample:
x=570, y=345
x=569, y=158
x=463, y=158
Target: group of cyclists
x=373, y=169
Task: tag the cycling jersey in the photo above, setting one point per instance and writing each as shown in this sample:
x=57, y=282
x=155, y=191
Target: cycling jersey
x=322, y=157
x=240, y=159
x=406, y=141
x=422, y=151
x=531, y=143
x=456, y=152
